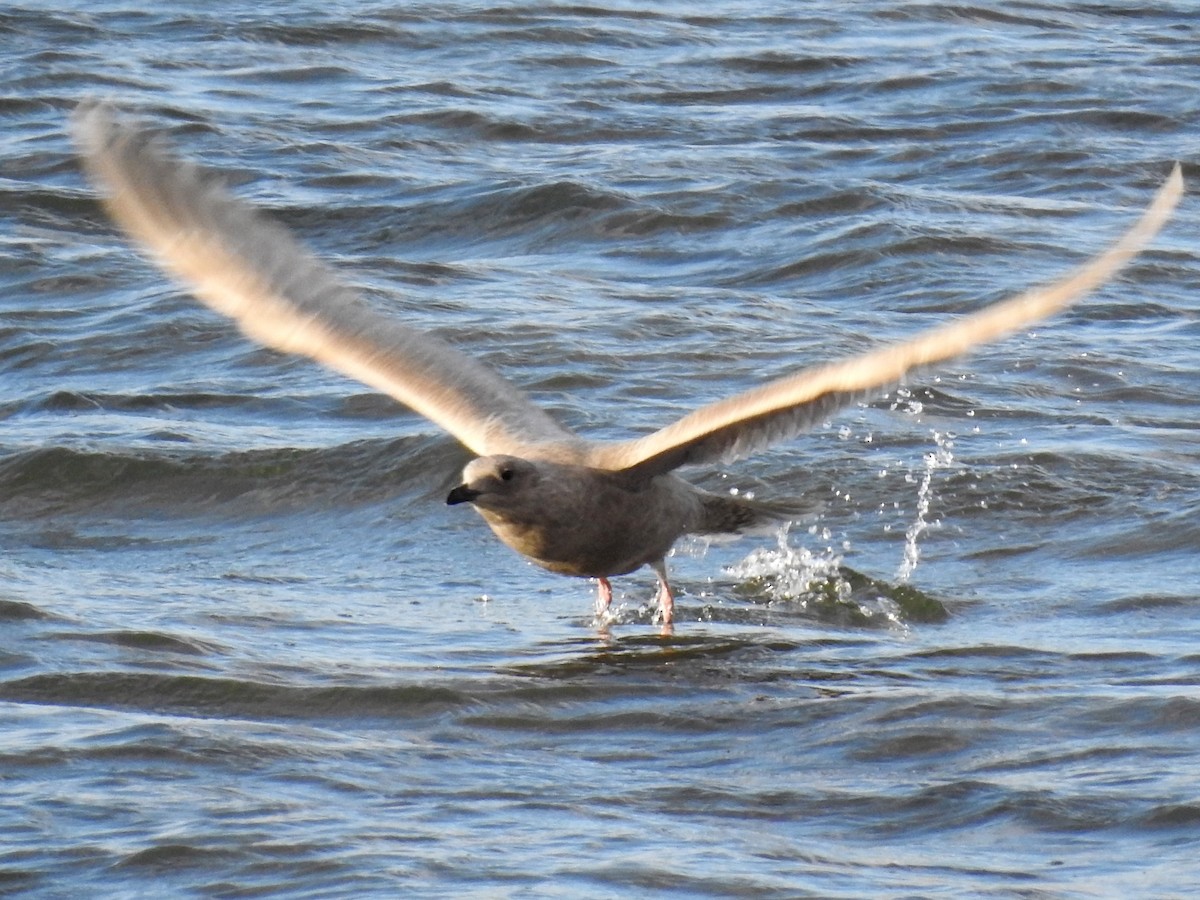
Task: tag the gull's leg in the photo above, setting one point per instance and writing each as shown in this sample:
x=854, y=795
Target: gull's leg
x=603, y=596
x=666, y=600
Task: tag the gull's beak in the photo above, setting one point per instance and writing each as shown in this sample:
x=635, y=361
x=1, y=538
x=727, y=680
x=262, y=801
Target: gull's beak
x=461, y=494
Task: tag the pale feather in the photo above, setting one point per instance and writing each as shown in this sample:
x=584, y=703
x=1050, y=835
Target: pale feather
x=739, y=425
x=249, y=268
x=252, y=270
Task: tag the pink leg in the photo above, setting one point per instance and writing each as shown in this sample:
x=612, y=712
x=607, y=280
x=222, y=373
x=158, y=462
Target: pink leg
x=666, y=600
x=603, y=596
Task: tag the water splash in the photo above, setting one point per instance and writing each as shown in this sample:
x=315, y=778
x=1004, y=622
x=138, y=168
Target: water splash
x=819, y=583
x=907, y=403
x=940, y=458
x=792, y=572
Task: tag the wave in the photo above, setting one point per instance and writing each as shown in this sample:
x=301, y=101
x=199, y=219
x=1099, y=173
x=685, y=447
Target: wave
x=60, y=479
x=228, y=697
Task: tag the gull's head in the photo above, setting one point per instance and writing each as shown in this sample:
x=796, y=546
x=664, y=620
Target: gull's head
x=495, y=482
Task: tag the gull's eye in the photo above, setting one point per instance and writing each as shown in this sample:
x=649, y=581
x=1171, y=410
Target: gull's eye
x=506, y=474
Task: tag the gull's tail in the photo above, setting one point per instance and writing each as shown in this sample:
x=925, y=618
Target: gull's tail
x=727, y=514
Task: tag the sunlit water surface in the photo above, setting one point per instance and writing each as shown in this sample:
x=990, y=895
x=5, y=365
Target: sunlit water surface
x=247, y=650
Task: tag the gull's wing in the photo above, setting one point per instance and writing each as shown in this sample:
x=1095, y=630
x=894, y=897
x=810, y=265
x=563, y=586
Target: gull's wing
x=247, y=267
x=781, y=409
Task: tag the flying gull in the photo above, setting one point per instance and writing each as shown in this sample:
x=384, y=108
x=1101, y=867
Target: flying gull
x=573, y=506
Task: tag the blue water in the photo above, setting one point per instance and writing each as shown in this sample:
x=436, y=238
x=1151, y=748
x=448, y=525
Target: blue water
x=245, y=648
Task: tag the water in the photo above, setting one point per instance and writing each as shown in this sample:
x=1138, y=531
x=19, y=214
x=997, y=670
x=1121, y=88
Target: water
x=246, y=649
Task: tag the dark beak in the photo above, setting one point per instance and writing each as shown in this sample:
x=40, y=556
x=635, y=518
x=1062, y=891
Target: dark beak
x=461, y=494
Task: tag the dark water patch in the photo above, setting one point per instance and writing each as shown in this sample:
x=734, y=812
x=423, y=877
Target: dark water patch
x=952, y=245
x=832, y=201
x=1052, y=811
x=634, y=666
x=80, y=401
x=625, y=722
x=1122, y=120
x=272, y=74
x=231, y=698
x=59, y=477
x=983, y=651
x=570, y=35
x=152, y=641
x=569, y=704
x=71, y=539
x=53, y=204
x=1001, y=663
x=1107, y=756
x=35, y=20
x=358, y=183
x=20, y=354
x=526, y=14
x=1112, y=656
x=564, y=198
x=634, y=878
x=948, y=807
x=172, y=742
x=938, y=809
x=1006, y=552
x=15, y=661
x=1100, y=311
x=925, y=743
x=1172, y=604
x=339, y=31
x=434, y=88
x=1162, y=535
x=780, y=63
x=935, y=401
x=19, y=611
x=423, y=273
x=572, y=61
x=1148, y=716
x=634, y=653
x=1057, y=486
x=647, y=222
x=562, y=206
x=816, y=262
x=248, y=578
x=966, y=12
x=170, y=858
x=357, y=406
x=524, y=217
x=777, y=805
x=14, y=878
x=1159, y=405
x=462, y=122
x=717, y=96
x=1184, y=816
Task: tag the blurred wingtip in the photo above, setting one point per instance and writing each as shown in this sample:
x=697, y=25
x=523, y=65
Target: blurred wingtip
x=92, y=124
x=1175, y=179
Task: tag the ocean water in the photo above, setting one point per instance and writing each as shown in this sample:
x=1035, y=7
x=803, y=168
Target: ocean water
x=245, y=648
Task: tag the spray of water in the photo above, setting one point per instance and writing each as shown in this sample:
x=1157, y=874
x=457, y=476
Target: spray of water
x=792, y=572
x=798, y=573
x=940, y=458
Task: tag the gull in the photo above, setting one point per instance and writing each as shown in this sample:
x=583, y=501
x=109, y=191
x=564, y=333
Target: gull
x=573, y=506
